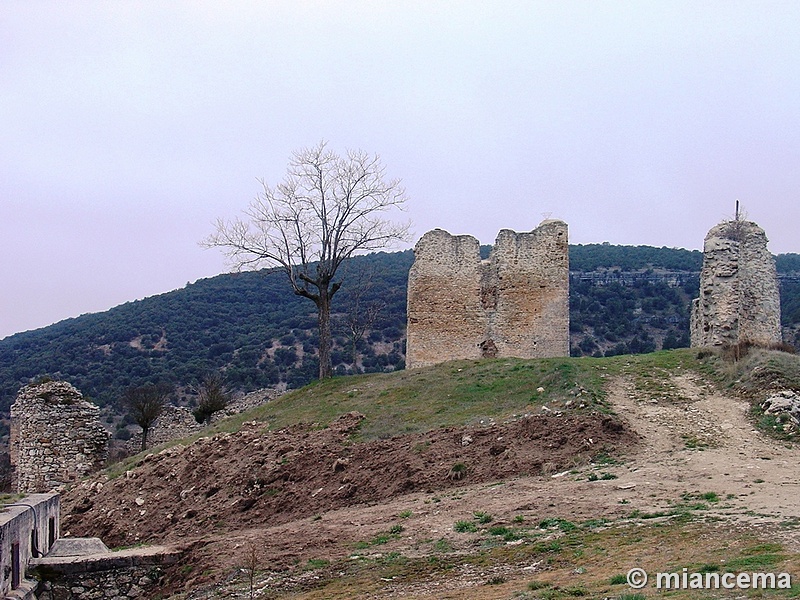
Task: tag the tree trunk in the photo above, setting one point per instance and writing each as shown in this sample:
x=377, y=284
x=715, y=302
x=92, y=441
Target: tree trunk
x=144, y=438
x=324, y=308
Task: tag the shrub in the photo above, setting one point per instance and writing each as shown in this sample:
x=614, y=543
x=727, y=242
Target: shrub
x=457, y=472
x=482, y=517
x=465, y=527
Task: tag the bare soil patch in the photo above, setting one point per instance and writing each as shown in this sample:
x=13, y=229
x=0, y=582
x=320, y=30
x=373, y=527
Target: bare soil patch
x=200, y=495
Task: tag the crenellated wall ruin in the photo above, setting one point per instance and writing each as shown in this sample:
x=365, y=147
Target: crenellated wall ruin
x=739, y=294
x=516, y=303
x=56, y=437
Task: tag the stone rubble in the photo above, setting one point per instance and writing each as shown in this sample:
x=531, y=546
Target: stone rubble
x=785, y=402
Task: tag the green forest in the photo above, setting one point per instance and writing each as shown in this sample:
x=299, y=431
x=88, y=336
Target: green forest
x=251, y=327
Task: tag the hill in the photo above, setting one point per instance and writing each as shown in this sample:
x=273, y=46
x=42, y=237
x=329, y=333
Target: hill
x=623, y=299
x=513, y=478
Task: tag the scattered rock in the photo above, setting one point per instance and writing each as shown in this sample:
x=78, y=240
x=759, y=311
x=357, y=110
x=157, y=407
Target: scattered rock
x=783, y=402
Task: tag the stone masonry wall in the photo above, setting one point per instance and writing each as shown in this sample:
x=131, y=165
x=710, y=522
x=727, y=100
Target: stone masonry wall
x=56, y=437
x=121, y=583
x=739, y=294
x=119, y=575
x=516, y=303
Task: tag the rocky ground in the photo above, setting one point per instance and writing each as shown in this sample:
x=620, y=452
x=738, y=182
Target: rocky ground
x=303, y=498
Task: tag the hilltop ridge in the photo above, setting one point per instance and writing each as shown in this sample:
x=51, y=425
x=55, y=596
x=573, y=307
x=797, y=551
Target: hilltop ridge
x=253, y=327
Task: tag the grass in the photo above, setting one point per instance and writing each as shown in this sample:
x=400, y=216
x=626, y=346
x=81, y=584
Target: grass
x=618, y=579
x=382, y=538
x=6, y=499
x=465, y=527
x=495, y=390
x=421, y=399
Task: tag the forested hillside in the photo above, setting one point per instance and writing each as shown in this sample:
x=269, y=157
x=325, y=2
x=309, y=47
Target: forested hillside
x=623, y=299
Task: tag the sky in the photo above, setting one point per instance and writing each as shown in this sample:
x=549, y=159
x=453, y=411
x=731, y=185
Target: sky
x=127, y=128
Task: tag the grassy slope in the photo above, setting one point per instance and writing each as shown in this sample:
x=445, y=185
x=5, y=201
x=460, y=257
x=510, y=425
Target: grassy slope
x=582, y=559
x=458, y=393
x=463, y=392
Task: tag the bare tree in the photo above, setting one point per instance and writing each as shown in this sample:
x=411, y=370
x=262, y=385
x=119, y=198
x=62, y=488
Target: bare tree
x=252, y=563
x=145, y=404
x=213, y=397
x=327, y=209
x=360, y=313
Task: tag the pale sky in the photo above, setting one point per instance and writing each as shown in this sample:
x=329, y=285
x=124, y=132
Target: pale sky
x=127, y=128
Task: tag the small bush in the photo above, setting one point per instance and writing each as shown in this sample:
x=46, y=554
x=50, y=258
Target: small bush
x=483, y=518
x=465, y=527
x=457, y=472
x=619, y=579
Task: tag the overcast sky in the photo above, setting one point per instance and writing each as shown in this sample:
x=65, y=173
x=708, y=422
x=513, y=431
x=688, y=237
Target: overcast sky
x=127, y=128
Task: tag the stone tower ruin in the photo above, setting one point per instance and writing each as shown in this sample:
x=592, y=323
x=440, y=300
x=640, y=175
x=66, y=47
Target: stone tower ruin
x=516, y=303
x=739, y=294
x=56, y=437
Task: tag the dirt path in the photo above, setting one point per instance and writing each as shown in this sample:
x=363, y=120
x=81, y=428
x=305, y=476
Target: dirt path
x=704, y=442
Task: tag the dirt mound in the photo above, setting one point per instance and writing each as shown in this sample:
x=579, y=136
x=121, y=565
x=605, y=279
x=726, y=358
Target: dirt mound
x=256, y=478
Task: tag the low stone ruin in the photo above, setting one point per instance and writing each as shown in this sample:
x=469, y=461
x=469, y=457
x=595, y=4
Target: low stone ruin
x=56, y=437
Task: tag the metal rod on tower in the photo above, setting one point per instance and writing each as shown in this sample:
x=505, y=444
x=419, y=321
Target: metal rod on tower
x=737, y=209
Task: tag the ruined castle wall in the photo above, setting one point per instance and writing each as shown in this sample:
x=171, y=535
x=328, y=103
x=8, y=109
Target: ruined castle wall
x=760, y=315
x=56, y=437
x=532, y=316
x=739, y=295
x=516, y=303
x=445, y=316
